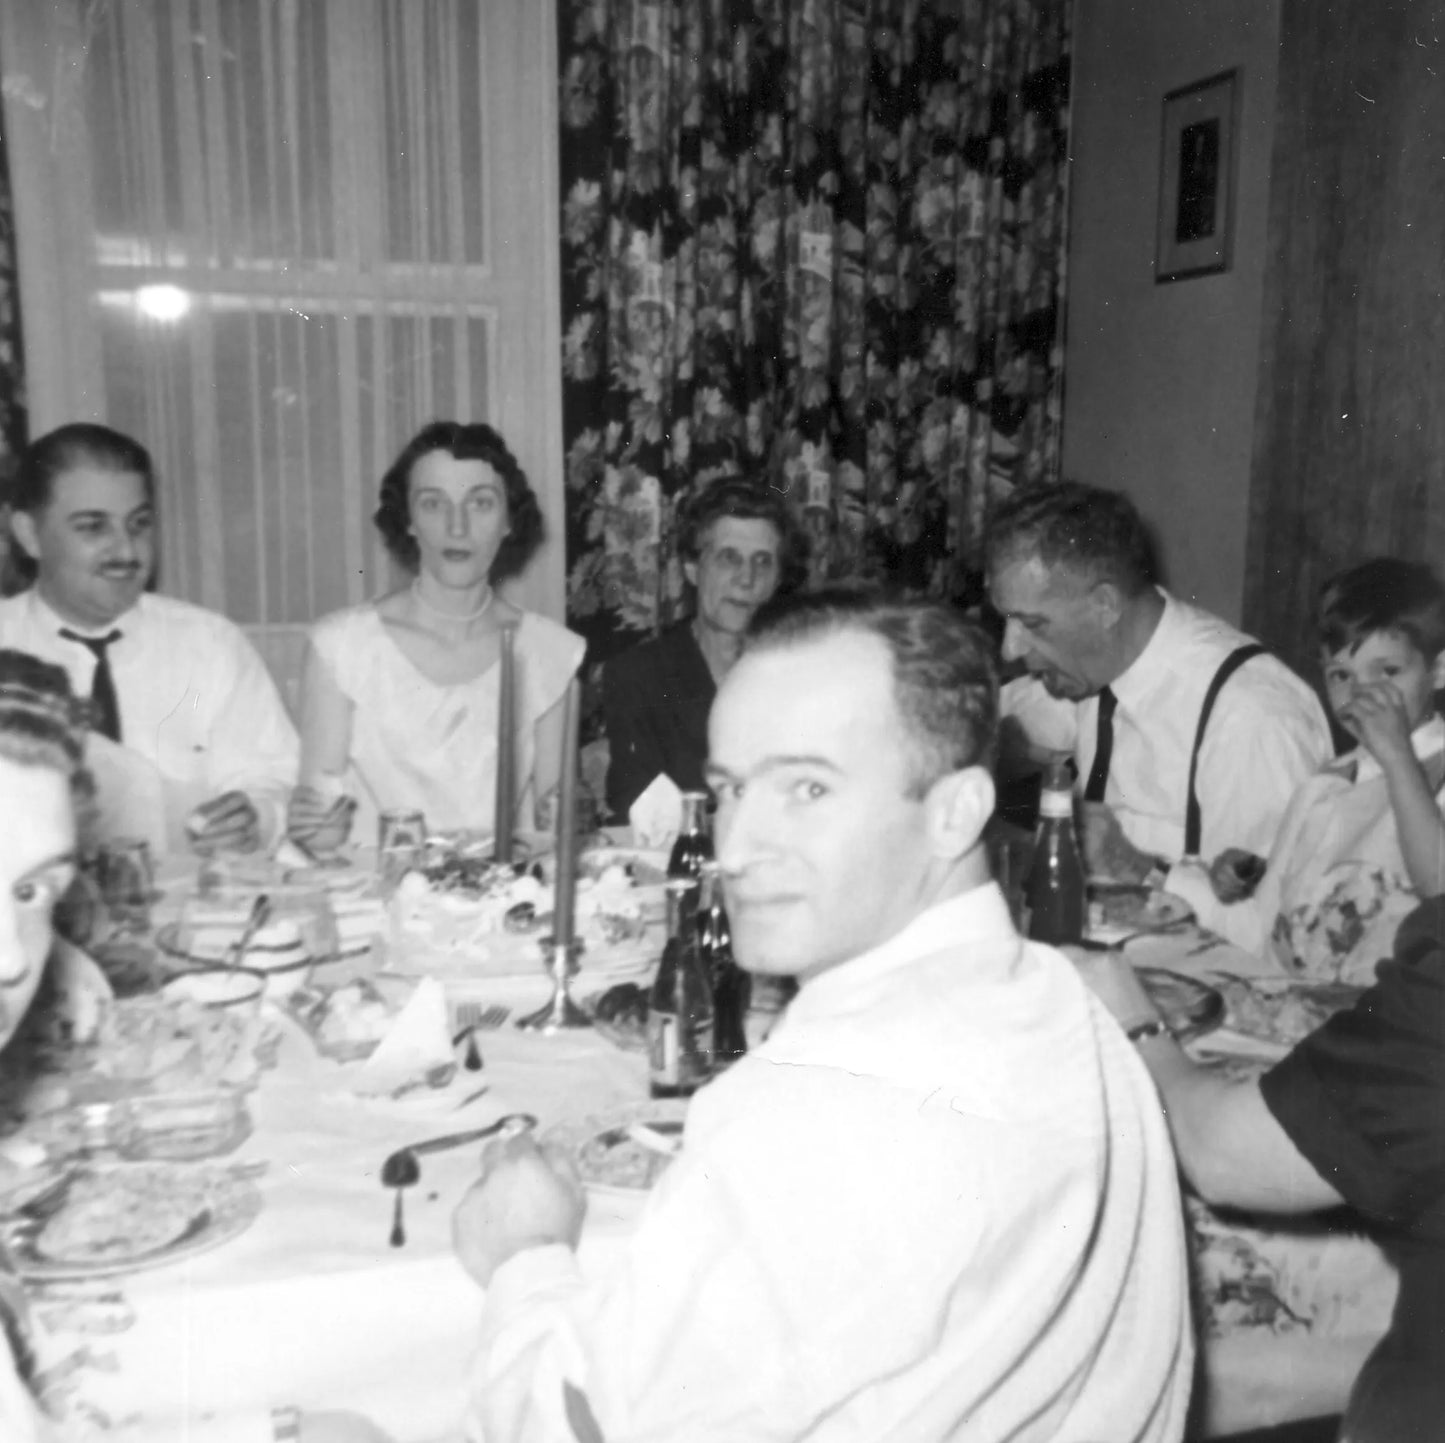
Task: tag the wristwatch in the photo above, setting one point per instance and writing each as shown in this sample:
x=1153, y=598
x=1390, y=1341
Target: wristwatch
x=1143, y=1031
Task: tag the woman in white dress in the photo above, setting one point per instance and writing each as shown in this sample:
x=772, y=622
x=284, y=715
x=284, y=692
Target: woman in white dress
x=400, y=695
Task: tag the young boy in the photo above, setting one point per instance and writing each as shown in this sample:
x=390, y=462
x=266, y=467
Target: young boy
x=1363, y=840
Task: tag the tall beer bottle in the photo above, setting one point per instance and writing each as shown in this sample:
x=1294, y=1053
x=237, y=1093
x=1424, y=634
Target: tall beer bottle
x=1054, y=892
x=729, y=981
x=693, y=846
x=680, y=1009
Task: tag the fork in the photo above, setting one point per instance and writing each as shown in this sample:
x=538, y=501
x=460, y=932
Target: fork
x=471, y=1018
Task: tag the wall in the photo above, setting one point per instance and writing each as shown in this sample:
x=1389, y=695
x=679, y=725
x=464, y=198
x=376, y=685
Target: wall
x=1160, y=379
x=1349, y=455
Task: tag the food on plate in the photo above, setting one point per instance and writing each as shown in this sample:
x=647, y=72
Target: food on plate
x=466, y=908
x=173, y=1045
x=632, y=1156
x=121, y=1213
x=1280, y=1012
x=1118, y=910
x=347, y=1021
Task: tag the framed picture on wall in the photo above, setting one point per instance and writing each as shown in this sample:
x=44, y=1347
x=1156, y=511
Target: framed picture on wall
x=1197, y=178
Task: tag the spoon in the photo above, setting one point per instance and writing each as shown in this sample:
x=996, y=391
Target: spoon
x=402, y=1168
x=260, y=915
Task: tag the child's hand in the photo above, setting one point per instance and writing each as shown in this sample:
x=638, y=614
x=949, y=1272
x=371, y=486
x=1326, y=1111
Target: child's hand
x=1235, y=873
x=1376, y=714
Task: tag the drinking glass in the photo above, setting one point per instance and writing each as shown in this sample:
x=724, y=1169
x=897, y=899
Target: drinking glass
x=400, y=844
x=125, y=879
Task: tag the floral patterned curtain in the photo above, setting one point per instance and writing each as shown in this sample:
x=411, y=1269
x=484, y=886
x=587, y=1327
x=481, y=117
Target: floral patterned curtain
x=820, y=242
x=14, y=423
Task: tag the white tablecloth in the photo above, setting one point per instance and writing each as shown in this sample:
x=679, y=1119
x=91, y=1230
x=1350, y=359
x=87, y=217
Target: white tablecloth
x=312, y=1307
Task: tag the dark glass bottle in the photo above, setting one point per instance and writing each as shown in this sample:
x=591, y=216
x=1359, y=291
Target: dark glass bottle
x=680, y=1008
x=1054, y=892
x=729, y=981
x=693, y=846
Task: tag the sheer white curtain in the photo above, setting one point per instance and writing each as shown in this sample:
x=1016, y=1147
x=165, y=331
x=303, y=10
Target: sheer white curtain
x=270, y=238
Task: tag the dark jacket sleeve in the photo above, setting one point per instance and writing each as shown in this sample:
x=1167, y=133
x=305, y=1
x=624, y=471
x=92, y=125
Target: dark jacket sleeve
x=1363, y=1096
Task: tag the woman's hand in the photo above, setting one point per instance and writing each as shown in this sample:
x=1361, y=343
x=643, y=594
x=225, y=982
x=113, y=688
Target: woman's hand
x=319, y=825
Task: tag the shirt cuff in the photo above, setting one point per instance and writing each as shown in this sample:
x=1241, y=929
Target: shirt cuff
x=530, y=1272
x=1189, y=879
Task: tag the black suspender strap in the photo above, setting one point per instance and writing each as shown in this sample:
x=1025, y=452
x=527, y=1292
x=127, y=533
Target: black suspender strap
x=1193, y=822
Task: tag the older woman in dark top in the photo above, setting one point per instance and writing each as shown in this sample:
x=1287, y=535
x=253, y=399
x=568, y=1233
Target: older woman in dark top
x=739, y=545
x=1354, y=1114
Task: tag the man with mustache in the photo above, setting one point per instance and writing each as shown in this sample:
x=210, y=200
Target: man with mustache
x=190, y=737
x=1188, y=738
x=938, y=1204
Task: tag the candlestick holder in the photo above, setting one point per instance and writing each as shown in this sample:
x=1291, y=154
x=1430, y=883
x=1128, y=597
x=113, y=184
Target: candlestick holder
x=561, y=1013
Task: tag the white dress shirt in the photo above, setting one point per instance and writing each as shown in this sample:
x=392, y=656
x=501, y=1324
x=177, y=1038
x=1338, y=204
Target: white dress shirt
x=938, y=1203
x=1337, y=887
x=199, y=714
x=1267, y=734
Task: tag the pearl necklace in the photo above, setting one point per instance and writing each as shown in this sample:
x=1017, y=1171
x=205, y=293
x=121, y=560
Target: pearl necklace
x=451, y=616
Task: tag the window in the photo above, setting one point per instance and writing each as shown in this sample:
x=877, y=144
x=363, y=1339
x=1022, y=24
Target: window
x=271, y=238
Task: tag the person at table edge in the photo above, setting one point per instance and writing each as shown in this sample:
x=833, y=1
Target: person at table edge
x=188, y=728
x=1354, y=1113
x=44, y=781
x=938, y=1202
x=1141, y=687
x=739, y=545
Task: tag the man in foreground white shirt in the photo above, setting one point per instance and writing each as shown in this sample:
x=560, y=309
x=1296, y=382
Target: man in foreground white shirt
x=939, y=1201
x=1120, y=675
x=190, y=738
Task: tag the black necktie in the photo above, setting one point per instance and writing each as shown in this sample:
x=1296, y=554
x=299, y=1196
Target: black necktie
x=104, y=706
x=1103, y=748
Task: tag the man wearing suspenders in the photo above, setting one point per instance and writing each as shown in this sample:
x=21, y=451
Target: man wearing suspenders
x=1188, y=736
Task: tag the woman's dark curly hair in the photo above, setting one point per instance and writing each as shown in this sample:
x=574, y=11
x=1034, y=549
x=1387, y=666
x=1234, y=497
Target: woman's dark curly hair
x=747, y=501
x=464, y=442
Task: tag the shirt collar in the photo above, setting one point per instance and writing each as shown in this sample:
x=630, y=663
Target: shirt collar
x=1133, y=684
x=48, y=618
x=974, y=916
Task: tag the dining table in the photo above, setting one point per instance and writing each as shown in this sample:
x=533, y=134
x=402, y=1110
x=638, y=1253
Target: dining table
x=312, y=1306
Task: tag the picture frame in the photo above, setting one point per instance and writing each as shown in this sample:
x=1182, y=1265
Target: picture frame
x=1198, y=178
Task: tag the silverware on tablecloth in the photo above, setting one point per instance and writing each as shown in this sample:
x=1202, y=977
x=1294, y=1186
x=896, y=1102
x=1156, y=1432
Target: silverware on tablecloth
x=260, y=915
x=402, y=1168
x=469, y=1018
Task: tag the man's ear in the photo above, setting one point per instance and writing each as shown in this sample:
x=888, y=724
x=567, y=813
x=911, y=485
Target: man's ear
x=689, y=570
x=1107, y=602
x=1437, y=672
x=958, y=808
x=22, y=528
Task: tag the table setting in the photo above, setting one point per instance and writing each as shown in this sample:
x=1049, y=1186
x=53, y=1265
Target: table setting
x=228, y=1177
x=231, y=1184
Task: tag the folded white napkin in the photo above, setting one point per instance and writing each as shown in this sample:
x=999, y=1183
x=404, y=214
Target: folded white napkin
x=417, y=1043
x=656, y=816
